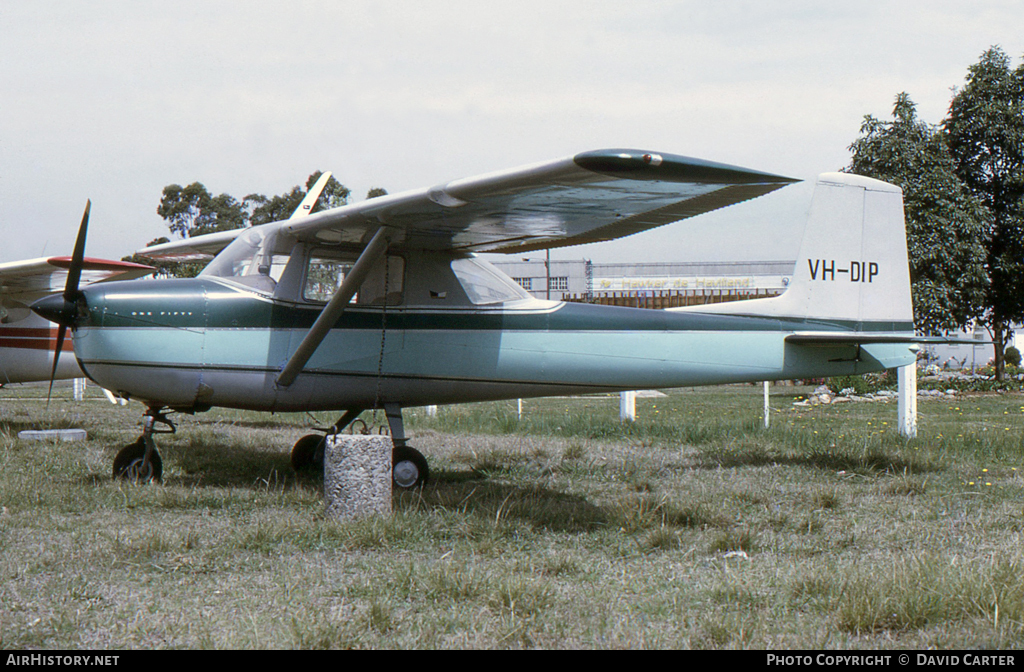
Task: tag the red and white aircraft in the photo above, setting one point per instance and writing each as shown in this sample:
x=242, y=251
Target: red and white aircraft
x=27, y=341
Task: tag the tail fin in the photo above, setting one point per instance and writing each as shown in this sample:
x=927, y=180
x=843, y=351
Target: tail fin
x=852, y=268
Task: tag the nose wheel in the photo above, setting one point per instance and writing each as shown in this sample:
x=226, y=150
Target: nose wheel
x=131, y=464
x=140, y=462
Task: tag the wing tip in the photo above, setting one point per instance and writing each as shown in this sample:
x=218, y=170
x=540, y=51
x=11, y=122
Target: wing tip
x=639, y=164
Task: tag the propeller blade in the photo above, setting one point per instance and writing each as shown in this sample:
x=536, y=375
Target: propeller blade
x=77, y=257
x=56, y=358
x=66, y=313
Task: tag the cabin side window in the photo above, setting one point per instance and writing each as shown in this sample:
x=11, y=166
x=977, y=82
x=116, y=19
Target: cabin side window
x=326, y=270
x=485, y=284
x=324, y=276
x=385, y=283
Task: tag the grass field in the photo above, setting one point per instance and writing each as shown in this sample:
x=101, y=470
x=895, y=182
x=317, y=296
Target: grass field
x=692, y=528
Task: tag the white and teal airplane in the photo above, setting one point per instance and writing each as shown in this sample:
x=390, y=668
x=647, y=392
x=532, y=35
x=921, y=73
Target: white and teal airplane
x=382, y=303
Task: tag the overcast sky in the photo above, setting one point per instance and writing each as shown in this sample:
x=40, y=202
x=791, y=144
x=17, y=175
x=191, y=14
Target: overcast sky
x=115, y=100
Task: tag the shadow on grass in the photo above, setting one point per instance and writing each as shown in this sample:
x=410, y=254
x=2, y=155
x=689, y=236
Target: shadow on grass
x=223, y=465
x=219, y=465
x=270, y=423
x=472, y=493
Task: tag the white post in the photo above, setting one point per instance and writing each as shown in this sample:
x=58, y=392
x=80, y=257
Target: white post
x=519, y=409
x=431, y=411
x=114, y=400
x=627, y=406
x=79, y=387
x=766, y=404
x=907, y=405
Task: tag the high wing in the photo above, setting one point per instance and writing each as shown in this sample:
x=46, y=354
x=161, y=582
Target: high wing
x=591, y=197
x=594, y=196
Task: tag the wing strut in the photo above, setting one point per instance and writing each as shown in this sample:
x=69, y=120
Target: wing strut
x=373, y=253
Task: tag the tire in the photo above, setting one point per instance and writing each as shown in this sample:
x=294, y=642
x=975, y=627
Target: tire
x=307, y=454
x=128, y=465
x=409, y=468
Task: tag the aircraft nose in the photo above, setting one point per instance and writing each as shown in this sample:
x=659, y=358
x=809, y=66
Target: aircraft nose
x=56, y=309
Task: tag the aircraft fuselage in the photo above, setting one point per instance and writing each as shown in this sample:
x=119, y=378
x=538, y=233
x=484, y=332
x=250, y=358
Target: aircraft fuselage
x=193, y=344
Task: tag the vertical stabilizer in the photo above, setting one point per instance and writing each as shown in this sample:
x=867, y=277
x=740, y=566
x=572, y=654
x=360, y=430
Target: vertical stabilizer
x=852, y=267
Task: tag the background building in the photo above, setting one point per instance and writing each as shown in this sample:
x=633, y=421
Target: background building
x=656, y=285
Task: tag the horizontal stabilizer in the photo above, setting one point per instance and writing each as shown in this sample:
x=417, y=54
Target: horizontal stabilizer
x=831, y=338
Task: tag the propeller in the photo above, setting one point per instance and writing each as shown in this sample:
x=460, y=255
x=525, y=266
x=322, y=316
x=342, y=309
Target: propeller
x=62, y=309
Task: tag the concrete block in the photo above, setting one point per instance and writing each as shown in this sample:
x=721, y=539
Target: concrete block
x=52, y=435
x=357, y=476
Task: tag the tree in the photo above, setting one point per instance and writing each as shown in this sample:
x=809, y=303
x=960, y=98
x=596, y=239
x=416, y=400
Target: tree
x=263, y=210
x=985, y=133
x=178, y=269
x=192, y=211
x=335, y=194
x=946, y=224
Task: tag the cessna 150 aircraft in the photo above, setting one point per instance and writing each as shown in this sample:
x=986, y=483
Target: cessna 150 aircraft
x=382, y=303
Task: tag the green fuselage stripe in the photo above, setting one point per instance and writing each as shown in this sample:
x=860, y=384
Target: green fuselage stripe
x=183, y=305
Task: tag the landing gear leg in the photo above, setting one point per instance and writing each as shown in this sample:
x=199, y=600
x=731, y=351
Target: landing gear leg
x=409, y=468
x=140, y=461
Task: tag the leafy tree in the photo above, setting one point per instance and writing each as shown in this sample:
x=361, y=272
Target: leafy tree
x=946, y=224
x=335, y=194
x=193, y=211
x=263, y=210
x=375, y=192
x=985, y=133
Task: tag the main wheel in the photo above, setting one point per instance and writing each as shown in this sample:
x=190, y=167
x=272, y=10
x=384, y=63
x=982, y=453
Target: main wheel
x=130, y=464
x=408, y=468
x=307, y=454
